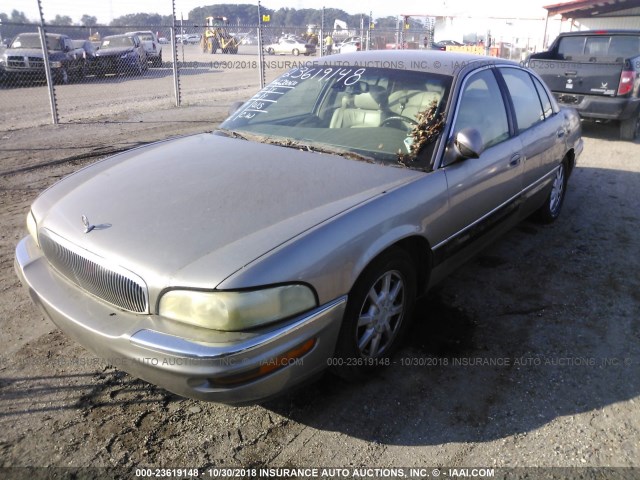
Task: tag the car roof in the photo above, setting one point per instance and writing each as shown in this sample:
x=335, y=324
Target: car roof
x=432, y=61
x=599, y=31
x=36, y=34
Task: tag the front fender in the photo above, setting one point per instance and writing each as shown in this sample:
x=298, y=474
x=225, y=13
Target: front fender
x=331, y=256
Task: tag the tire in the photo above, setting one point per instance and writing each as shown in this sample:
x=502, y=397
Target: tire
x=137, y=69
x=270, y=51
x=157, y=61
x=295, y=52
x=550, y=210
x=630, y=128
x=61, y=77
x=377, y=315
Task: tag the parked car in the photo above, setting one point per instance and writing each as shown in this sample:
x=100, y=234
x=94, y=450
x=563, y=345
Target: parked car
x=597, y=73
x=151, y=46
x=443, y=44
x=348, y=46
x=249, y=39
x=121, y=54
x=188, y=38
x=288, y=45
x=24, y=60
x=335, y=197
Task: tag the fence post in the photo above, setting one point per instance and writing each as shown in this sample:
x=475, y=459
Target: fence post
x=174, y=55
x=260, y=49
x=321, y=39
x=47, y=67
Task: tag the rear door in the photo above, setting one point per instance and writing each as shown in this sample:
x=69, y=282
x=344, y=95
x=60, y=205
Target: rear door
x=541, y=133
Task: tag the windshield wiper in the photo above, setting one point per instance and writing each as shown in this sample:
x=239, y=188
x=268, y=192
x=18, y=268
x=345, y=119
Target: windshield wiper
x=343, y=152
x=231, y=133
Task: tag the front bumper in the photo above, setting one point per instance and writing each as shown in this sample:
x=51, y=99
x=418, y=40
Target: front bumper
x=115, y=64
x=145, y=347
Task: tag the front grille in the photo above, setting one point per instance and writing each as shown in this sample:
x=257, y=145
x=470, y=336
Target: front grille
x=119, y=288
x=36, y=62
x=15, y=61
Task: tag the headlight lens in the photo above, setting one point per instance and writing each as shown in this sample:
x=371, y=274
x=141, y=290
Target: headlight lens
x=32, y=227
x=234, y=311
x=56, y=64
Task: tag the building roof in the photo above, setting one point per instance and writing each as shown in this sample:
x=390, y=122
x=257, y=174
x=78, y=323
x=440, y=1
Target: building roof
x=590, y=8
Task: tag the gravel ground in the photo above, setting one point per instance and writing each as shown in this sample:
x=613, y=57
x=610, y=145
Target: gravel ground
x=529, y=356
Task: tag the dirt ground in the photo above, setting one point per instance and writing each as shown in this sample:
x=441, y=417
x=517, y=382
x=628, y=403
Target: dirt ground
x=527, y=357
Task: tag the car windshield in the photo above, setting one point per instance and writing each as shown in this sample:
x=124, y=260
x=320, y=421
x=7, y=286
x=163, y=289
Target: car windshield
x=117, y=42
x=376, y=114
x=33, y=41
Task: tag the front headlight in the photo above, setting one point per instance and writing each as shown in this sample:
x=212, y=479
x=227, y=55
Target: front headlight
x=32, y=227
x=55, y=64
x=234, y=311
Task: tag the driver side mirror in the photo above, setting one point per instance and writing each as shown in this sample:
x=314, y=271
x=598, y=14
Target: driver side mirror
x=466, y=144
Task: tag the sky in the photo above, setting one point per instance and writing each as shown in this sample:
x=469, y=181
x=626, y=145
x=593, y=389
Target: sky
x=106, y=10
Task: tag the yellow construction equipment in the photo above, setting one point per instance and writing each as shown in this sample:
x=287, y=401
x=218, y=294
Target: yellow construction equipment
x=216, y=36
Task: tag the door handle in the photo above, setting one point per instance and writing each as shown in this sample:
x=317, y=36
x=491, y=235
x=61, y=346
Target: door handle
x=515, y=160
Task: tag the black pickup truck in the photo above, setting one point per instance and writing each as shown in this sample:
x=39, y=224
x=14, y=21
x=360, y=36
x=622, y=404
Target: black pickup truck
x=23, y=58
x=598, y=73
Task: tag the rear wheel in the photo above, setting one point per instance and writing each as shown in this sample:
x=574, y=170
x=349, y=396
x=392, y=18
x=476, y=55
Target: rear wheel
x=550, y=211
x=630, y=128
x=377, y=314
x=212, y=45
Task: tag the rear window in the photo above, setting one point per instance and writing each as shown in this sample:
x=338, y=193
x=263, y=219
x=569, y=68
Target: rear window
x=616, y=46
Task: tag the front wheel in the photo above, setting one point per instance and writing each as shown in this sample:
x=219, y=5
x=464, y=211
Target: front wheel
x=296, y=52
x=61, y=77
x=550, y=211
x=377, y=314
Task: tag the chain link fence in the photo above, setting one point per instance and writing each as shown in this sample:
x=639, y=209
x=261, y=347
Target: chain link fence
x=102, y=72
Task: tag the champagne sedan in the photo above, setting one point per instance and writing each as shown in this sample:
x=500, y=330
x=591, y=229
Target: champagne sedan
x=230, y=266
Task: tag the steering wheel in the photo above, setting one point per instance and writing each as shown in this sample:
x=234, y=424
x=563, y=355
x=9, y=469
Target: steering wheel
x=409, y=122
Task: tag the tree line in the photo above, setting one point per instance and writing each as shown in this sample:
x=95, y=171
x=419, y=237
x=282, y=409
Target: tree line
x=238, y=14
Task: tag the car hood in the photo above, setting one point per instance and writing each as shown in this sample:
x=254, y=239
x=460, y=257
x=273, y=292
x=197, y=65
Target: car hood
x=28, y=52
x=194, y=210
x=111, y=52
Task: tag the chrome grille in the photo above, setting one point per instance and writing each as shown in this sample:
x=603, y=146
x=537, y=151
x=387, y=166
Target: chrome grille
x=121, y=289
x=36, y=62
x=17, y=62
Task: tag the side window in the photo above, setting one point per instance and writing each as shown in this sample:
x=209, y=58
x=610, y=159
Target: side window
x=481, y=107
x=544, y=98
x=524, y=96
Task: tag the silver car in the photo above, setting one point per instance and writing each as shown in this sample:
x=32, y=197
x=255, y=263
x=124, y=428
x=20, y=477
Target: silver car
x=233, y=265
